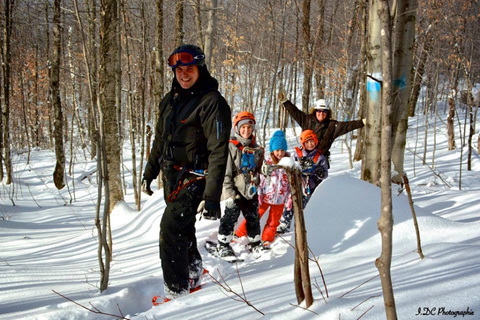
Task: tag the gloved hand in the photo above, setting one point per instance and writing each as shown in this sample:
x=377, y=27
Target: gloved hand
x=319, y=172
x=209, y=209
x=307, y=165
x=282, y=96
x=266, y=169
x=146, y=187
x=230, y=202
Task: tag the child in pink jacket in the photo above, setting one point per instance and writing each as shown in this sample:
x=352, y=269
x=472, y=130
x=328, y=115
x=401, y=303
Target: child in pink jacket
x=274, y=190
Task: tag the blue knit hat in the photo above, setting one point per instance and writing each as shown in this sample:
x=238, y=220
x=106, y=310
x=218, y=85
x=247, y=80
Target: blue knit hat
x=278, y=141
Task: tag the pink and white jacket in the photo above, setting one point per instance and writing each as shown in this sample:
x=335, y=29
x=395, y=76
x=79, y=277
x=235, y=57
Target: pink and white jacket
x=275, y=188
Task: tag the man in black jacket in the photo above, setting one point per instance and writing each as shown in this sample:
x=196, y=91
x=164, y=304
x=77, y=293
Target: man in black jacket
x=190, y=147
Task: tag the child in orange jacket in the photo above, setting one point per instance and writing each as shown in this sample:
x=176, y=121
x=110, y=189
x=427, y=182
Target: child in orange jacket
x=314, y=171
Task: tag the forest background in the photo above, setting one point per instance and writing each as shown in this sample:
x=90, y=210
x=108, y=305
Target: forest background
x=89, y=74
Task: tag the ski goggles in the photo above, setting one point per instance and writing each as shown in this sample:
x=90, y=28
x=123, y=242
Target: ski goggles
x=184, y=58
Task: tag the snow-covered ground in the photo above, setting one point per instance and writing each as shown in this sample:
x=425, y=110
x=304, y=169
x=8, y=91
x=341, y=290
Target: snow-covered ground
x=49, y=246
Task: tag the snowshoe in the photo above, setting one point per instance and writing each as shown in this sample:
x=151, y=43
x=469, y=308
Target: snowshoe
x=195, y=285
x=222, y=252
x=260, y=249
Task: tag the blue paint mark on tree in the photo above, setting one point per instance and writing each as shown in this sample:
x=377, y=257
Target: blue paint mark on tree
x=400, y=82
x=373, y=89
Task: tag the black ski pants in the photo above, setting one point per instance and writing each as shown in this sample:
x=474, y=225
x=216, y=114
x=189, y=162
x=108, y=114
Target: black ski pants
x=179, y=254
x=249, y=208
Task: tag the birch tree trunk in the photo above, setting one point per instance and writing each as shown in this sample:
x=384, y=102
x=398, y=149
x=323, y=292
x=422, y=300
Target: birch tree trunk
x=59, y=172
x=371, y=161
x=403, y=41
x=210, y=32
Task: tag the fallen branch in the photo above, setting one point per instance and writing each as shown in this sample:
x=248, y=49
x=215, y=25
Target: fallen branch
x=361, y=284
x=358, y=305
x=311, y=259
x=228, y=289
x=296, y=305
x=319, y=268
x=94, y=309
x=320, y=290
x=361, y=316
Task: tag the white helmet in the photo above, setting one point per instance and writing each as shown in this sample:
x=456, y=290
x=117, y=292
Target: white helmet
x=321, y=104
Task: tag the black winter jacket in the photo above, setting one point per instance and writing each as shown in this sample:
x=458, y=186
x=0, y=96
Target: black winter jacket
x=326, y=131
x=192, y=131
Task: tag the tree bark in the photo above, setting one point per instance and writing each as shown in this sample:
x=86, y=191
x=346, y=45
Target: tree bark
x=307, y=56
x=303, y=287
x=107, y=81
x=5, y=152
x=59, y=172
x=91, y=48
x=403, y=42
x=371, y=161
x=385, y=223
x=179, y=7
x=451, y=124
x=210, y=32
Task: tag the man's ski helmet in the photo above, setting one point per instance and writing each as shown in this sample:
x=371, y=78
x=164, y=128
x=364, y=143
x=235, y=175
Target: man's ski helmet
x=186, y=55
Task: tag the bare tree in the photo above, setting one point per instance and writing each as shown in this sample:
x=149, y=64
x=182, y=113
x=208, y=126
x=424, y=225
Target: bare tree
x=5, y=118
x=91, y=48
x=179, y=33
x=385, y=223
x=108, y=140
x=307, y=55
x=210, y=31
x=58, y=175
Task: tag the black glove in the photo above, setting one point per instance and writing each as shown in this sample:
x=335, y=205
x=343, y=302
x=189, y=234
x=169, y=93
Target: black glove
x=209, y=209
x=320, y=172
x=318, y=175
x=146, y=187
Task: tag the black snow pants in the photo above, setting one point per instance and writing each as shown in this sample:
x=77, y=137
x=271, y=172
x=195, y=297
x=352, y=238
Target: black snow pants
x=178, y=244
x=249, y=208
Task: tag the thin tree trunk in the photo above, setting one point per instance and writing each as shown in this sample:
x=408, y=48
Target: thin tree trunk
x=362, y=112
x=307, y=56
x=385, y=223
x=198, y=21
x=420, y=71
x=58, y=174
x=303, y=286
x=210, y=32
x=414, y=216
x=77, y=116
x=91, y=48
x=5, y=122
x=179, y=7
